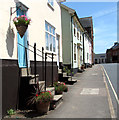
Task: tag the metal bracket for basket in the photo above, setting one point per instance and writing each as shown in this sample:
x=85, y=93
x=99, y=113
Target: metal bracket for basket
x=14, y=11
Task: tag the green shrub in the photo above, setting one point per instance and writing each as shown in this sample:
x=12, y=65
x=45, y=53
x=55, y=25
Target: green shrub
x=11, y=112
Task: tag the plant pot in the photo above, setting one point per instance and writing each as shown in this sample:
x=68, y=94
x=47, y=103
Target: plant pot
x=42, y=107
x=21, y=29
x=58, y=92
x=66, y=90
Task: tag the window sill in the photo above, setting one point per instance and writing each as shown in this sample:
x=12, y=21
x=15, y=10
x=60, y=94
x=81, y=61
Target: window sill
x=50, y=6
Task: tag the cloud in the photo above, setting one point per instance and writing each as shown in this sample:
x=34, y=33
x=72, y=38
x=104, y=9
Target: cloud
x=104, y=12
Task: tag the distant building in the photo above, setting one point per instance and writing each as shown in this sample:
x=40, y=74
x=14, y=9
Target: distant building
x=112, y=54
x=87, y=23
x=99, y=58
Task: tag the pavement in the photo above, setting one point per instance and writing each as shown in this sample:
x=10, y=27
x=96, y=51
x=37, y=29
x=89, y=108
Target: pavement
x=87, y=98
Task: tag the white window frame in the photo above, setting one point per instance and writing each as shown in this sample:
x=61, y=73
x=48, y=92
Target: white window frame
x=50, y=40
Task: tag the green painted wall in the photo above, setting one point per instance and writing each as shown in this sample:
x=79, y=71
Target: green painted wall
x=66, y=36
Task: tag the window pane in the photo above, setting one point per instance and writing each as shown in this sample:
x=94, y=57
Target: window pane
x=50, y=39
x=74, y=56
x=53, y=44
x=46, y=26
x=74, y=48
x=50, y=42
x=50, y=29
x=46, y=38
x=54, y=31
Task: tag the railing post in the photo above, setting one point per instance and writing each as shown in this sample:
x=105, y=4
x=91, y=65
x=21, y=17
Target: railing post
x=52, y=70
x=26, y=58
x=35, y=61
x=45, y=69
x=43, y=63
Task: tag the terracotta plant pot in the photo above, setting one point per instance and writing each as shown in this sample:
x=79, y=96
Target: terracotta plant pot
x=21, y=29
x=42, y=107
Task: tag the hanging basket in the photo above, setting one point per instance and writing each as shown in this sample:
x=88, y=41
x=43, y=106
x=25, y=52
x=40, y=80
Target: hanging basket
x=21, y=29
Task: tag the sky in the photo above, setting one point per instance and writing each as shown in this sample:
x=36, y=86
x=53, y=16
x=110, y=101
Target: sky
x=104, y=16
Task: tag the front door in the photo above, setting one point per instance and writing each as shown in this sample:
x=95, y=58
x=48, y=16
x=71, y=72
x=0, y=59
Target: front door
x=22, y=43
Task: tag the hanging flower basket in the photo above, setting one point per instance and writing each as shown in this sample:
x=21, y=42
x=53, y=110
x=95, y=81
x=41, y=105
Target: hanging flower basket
x=21, y=29
x=21, y=24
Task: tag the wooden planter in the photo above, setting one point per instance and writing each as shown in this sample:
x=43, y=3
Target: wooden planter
x=21, y=29
x=42, y=107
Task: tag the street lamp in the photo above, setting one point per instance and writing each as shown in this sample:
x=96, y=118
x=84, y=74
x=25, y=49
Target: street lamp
x=83, y=47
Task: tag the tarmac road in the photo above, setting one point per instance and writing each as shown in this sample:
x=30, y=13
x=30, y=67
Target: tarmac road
x=113, y=85
x=87, y=98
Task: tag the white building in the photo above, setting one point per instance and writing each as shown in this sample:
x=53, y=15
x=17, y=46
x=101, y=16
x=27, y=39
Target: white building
x=87, y=49
x=44, y=30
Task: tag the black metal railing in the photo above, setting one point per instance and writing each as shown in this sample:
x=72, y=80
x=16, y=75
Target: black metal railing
x=44, y=66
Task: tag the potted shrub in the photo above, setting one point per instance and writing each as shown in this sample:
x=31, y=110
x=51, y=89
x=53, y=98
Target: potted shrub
x=21, y=24
x=60, y=87
x=43, y=101
x=82, y=67
x=65, y=88
x=59, y=90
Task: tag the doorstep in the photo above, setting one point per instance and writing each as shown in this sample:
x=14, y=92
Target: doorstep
x=51, y=89
x=56, y=101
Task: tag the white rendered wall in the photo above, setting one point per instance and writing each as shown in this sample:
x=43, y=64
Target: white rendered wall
x=38, y=11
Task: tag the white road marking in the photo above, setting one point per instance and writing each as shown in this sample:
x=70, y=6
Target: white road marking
x=111, y=85
x=90, y=91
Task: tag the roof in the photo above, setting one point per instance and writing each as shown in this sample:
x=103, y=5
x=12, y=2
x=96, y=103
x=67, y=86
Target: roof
x=116, y=46
x=86, y=22
x=70, y=10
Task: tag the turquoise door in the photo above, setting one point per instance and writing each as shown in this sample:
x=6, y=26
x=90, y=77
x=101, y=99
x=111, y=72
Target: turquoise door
x=23, y=41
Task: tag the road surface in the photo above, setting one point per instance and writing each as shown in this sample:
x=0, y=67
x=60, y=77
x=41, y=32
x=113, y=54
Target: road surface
x=113, y=84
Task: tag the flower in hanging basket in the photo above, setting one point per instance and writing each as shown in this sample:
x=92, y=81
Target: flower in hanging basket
x=21, y=24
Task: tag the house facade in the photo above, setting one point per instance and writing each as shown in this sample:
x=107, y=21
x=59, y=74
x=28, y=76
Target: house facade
x=100, y=58
x=72, y=40
x=17, y=54
x=87, y=23
x=112, y=54
x=87, y=49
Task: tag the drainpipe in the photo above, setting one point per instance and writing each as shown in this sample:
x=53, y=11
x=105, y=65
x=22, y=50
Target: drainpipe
x=72, y=37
